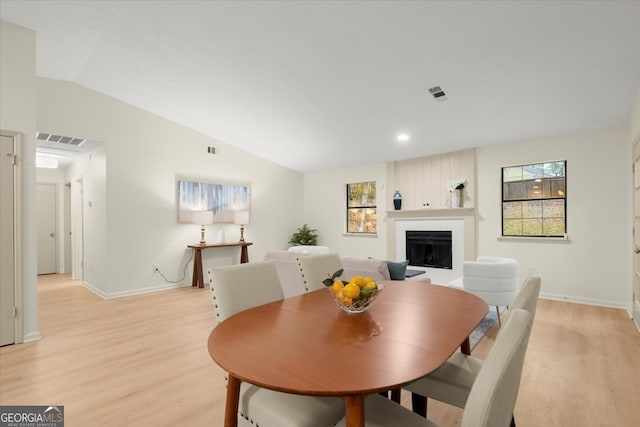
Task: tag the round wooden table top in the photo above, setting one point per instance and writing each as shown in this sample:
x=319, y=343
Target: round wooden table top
x=308, y=345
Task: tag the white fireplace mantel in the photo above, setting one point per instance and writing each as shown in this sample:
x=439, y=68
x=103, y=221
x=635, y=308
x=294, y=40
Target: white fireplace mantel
x=430, y=212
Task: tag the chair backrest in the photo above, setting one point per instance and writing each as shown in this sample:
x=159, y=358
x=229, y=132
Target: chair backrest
x=493, y=395
x=527, y=298
x=239, y=287
x=315, y=268
x=494, y=279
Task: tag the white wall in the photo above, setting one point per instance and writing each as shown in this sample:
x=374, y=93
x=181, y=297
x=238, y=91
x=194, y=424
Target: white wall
x=634, y=121
x=132, y=223
x=325, y=209
x=18, y=113
x=90, y=169
x=594, y=265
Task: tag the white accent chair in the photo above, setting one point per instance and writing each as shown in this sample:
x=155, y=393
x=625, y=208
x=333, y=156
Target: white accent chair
x=494, y=279
x=316, y=268
x=452, y=382
x=239, y=287
x=493, y=395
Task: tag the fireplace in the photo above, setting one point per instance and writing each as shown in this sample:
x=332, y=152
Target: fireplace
x=429, y=248
x=447, y=235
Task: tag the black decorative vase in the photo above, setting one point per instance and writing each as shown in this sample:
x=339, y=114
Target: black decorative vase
x=397, y=200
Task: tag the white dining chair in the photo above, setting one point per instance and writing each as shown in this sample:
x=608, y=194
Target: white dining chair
x=493, y=395
x=318, y=267
x=240, y=287
x=451, y=383
x=494, y=279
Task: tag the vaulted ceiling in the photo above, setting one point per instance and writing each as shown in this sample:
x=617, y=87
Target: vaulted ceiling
x=317, y=85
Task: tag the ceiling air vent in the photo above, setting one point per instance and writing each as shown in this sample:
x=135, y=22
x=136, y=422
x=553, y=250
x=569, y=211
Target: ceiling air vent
x=438, y=94
x=58, y=139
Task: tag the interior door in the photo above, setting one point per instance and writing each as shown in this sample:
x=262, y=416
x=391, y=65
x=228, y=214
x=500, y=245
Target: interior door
x=636, y=232
x=46, y=228
x=7, y=243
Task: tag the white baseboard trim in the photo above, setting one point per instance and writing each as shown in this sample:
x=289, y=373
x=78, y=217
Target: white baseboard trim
x=33, y=336
x=132, y=292
x=587, y=301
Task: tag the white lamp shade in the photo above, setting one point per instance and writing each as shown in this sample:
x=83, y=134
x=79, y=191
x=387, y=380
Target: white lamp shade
x=201, y=217
x=242, y=217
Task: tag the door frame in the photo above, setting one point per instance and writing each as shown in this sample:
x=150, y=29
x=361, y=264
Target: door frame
x=18, y=150
x=635, y=273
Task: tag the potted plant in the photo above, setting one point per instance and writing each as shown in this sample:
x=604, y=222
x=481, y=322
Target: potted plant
x=304, y=236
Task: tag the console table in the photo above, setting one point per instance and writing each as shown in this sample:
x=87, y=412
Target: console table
x=198, y=277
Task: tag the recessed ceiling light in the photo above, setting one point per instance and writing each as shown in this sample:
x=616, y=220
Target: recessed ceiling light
x=403, y=137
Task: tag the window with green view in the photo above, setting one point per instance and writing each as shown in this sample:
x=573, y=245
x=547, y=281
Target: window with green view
x=361, y=208
x=534, y=200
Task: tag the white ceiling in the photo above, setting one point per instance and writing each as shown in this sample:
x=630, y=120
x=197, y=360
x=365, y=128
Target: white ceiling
x=324, y=84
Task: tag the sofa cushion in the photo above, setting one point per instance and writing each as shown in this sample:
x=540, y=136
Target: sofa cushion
x=360, y=266
x=397, y=270
x=309, y=249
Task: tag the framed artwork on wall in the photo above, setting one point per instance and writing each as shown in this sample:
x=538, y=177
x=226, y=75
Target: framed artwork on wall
x=221, y=198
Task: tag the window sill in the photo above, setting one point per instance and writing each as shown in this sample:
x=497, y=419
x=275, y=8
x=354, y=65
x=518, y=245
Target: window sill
x=534, y=238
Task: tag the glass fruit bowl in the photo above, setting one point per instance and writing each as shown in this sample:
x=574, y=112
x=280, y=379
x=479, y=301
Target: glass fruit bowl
x=353, y=300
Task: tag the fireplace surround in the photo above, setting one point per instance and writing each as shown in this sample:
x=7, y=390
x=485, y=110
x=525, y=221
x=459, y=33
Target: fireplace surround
x=440, y=227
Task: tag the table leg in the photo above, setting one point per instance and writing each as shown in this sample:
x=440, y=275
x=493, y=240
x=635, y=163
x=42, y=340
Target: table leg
x=233, y=398
x=198, y=279
x=244, y=255
x=354, y=409
x=419, y=404
x=465, y=347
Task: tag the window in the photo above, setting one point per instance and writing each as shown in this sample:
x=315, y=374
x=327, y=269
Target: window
x=534, y=200
x=361, y=208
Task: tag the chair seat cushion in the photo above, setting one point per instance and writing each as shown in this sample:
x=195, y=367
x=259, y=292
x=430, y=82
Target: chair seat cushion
x=268, y=408
x=382, y=412
x=451, y=382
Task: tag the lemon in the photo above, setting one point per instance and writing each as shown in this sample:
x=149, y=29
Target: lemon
x=337, y=285
x=351, y=290
x=357, y=280
x=346, y=301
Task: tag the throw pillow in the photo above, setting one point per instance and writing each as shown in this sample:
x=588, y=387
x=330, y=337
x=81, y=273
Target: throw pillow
x=397, y=270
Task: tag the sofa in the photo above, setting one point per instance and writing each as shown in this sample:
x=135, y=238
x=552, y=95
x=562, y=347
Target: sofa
x=291, y=278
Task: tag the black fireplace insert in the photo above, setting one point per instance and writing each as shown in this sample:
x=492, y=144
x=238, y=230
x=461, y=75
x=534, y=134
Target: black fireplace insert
x=429, y=248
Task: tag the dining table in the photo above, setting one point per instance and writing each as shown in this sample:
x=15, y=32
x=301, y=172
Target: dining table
x=307, y=345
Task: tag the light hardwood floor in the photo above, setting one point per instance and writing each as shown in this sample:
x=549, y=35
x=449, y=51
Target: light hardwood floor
x=142, y=361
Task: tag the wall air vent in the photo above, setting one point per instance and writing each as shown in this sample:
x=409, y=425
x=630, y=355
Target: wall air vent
x=438, y=94
x=59, y=139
